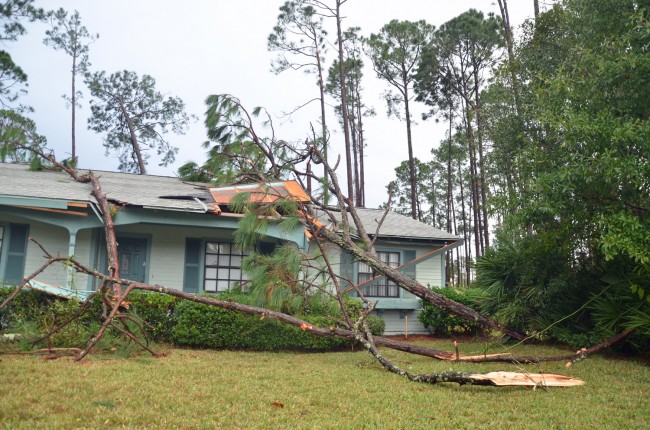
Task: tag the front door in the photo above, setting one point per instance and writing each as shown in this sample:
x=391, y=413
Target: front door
x=132, y=254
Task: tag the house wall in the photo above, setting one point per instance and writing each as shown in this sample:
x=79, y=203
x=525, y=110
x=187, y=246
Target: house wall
x=396, y=311
x=55, y=240
x=396, y=321
x=167, y=249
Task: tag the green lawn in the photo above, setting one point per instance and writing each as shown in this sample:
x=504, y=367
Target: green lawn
x=226, y=389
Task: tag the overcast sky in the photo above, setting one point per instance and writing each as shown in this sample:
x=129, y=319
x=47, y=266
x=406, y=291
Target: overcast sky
x=195, y=48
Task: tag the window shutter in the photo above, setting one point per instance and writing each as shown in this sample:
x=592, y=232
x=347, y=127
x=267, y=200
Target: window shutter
x=16, y=252
x=346, y=270
x=409, y=255
x=191, y=275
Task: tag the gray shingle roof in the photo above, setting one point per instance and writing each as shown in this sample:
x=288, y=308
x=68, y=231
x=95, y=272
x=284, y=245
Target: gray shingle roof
x=145, y=190
x=138, y=190
x=397, y=226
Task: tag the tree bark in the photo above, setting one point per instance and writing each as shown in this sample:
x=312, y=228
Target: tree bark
x=73, y=99
x=344, y=103
x=134, y=138
x=321, y=87
x=414, y=287
x=413, y=177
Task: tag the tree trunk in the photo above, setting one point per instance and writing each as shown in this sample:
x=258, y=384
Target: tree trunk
x=413, y=287
x=134, y=138
x=409, y=140
x=73, y=99
x=323, y=123
x=344, y=103
x=483, y=186
x=362, y=182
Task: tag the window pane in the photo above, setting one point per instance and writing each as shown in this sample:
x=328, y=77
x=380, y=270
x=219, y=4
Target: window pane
x=364, y=268
x=393, y=291
x=212, y=248
x=211, y=286
x=224, y=248
x=235, y=261
x=381, y=256
x=224, y=260
x=223, y=285
x=223, y=274
x=210, y=273
x=211, y=260
x=393, y=259
x=363, y=277
x=235, y=274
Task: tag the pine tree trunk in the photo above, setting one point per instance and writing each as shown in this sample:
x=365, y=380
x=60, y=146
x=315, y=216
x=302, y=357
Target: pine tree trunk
x=344, y=103
x=409, y=140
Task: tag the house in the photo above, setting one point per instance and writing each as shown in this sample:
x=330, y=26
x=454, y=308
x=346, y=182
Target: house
x=180, y=235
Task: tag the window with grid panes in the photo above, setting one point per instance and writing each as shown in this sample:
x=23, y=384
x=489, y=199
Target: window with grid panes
x=223, y=262
x=382, y=287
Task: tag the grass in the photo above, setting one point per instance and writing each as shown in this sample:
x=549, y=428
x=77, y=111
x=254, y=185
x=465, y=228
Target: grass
x=229, y=389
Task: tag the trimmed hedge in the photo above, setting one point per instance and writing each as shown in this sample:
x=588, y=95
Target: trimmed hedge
x=179, y=322
x=441, y=322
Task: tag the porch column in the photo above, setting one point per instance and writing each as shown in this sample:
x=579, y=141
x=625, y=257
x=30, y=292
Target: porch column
x=72, y=244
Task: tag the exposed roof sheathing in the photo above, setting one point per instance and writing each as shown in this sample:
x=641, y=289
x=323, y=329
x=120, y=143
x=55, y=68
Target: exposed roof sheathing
x=261, y=193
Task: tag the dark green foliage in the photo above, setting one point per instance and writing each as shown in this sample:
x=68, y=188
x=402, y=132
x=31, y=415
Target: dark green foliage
x=206, y=326
x=157, y=311
x=13, y=80
x=170, y=320
x=576, y=171
x=525, y=281
x=441, y=322
x=136, y=118
x=29, y=305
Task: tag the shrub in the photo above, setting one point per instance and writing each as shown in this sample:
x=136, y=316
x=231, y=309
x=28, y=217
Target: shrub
x=181, y=322
x=29, y=305
x=205, y=326
x=157, y=312
x=441, y=322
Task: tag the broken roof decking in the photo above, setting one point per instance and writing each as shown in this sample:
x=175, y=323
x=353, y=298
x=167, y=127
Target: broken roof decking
x=137, y=190
x=395, y=226
x=16, y=180
x=261, y=193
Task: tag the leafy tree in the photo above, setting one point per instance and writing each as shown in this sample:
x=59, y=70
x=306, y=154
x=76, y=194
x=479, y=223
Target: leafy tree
x=70, y=36
x=452, y=72
x=236, y=153
x=299, y=37
x=17, y=133
x=395, y=52
x=581, y=172
x=13, y=79
x=357, y=110
x=136, y=118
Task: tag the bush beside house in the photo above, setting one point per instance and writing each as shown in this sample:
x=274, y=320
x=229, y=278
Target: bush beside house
x=169, y=320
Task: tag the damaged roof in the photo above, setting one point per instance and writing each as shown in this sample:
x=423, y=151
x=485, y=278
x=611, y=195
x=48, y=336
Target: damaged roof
x=261, y=193
x=156, y=192
x=170, y=193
